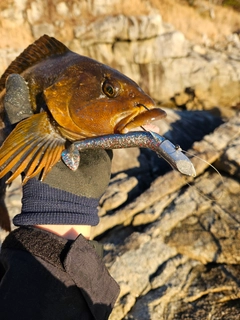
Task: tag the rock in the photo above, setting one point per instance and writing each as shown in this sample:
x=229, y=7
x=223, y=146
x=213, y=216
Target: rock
x=135, y=40
x=62, y=9
x=199, y=49
x=201, y=296
x=43, y=28
x=117, y=192
x=208, y=151
x=14, y=12
x=201, y=223
x=99, y=7
x=210, y=234
x=229, y=160
x=125, y=159
x=152, y=213
x=124, y=28
x=136, y=263
x=13, y=203
x=205, y=238
x=35, y=12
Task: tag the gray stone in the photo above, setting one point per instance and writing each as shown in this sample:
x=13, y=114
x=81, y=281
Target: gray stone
x=117, y=192
x=43, y=28
x=229, y=160
x=35, y=12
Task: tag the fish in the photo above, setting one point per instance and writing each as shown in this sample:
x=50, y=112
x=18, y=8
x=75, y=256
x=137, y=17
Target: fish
x=145, y=139
x=72, y=97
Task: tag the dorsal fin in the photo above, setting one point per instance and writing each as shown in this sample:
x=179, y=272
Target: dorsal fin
x=41, y=49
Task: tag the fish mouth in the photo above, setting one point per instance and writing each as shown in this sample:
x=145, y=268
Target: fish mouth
x=146, y=117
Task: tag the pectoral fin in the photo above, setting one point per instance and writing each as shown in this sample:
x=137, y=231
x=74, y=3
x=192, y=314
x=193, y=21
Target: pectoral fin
x=33, y=147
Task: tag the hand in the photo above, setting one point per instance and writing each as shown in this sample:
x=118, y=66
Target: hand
x=64, y=197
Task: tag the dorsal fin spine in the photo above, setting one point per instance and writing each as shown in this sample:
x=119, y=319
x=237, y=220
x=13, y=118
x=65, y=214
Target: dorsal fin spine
x=38, y=51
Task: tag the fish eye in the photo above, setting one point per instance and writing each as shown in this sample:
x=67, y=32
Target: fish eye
x=110, y=89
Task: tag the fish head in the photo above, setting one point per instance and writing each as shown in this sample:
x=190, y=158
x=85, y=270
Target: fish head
x=92, y=99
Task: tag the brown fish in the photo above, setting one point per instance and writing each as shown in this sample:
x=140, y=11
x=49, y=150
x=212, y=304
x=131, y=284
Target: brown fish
x=72, y=98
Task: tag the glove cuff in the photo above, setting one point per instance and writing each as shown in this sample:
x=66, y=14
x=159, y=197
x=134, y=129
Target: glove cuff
x=42, y=204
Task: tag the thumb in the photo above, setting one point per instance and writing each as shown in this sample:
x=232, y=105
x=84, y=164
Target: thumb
x=16, y=101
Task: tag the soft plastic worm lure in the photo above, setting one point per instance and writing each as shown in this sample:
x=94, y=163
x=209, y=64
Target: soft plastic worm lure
x=163, y=147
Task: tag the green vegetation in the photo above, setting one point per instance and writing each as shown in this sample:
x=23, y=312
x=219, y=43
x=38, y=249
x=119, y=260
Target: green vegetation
x=235, y=4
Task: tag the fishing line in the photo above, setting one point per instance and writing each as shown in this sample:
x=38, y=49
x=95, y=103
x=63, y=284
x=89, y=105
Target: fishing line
x=191, y=154
x=188, y=153
x=142, y=105
x=144, y=129
x=190, y=124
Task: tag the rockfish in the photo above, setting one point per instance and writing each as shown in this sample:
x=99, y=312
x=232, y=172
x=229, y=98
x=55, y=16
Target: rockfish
x=72, y=98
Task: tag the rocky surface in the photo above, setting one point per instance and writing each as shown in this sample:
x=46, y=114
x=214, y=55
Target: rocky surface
x=175, y=251
x=133, y=38
x=171, y=242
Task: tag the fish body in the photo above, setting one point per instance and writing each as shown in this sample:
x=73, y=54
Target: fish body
x=71, y=98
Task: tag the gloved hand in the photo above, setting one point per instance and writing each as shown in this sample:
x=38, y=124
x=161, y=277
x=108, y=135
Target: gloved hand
x=65, y=196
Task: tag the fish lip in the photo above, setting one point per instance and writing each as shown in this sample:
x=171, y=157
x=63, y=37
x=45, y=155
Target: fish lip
x=142, y=118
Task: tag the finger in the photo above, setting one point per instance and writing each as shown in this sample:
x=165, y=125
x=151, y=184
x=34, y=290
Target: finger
x=16, y=101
